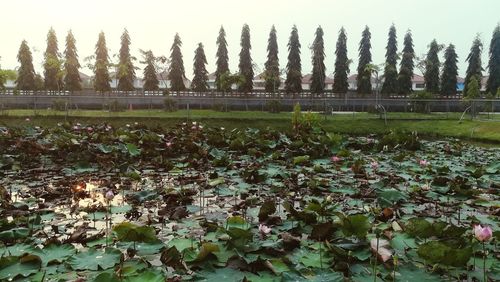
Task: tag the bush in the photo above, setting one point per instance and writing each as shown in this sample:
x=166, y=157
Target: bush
x=409, y=141
x=219, y=107
x=419, y=103
x=273, y=106
x=59, y=105
x=304, y=123
x=115, y=106
x=170, y=105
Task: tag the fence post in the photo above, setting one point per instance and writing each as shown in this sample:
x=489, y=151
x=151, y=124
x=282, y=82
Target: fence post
x=188, y=113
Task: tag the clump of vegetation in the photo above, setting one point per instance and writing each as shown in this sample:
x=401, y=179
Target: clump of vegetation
x=304, y=123
x=116, y=106
x=59, y=105
x=273, y=106
x=170, y=105
x=419, y=103
x=218, y=107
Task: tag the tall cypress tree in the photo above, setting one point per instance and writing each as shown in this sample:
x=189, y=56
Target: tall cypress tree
x=493, y=83
x=318, y=62
x=150, y=79
x=126, y=71
x=72, y=79
x=340, y=84
x=52, y=63
x=432, y=63
x=450, y=72
x=245, y=65
x=293, y=82
x=176, y=72
x=222, y=61
x=200, y=78
x=390, y=85
x=101, y=72
x=272, y=72
x=365, y=58
x=26, y=72
x=475, y=66
x=407, y=65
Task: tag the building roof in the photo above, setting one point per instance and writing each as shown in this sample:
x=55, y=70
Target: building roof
x=83, y=76
x=306, y=79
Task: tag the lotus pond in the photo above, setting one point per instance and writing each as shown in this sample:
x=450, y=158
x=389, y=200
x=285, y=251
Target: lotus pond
x=188, y=203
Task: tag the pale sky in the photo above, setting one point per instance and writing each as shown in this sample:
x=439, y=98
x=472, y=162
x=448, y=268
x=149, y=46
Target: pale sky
x=152, y=24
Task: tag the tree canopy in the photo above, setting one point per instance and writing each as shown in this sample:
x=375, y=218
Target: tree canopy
x=390, y=85
x=72, y=79
x=293, y=82
x=126, y=70
x=150, y=78
x=493, y=83
x=407, y=65
x=474, y=69
x=200, y=78
x=176, y=73
x=272, y=67
x=222, y=61
x=26, y=72
x=101, y=66
x=450, y=72
x=365, y=59
x=432, y=64
x=52, y=64
x=340, y=84
x=245, y=65
x=318, y=62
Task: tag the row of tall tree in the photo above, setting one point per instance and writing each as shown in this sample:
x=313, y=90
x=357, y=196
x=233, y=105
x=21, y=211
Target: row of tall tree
x=62, y=71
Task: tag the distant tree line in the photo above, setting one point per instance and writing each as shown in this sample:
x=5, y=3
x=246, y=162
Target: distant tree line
x=61, y=71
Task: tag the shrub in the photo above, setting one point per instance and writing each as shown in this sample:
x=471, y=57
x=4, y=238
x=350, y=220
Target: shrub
x=219, y=108
x=59, y=105
x=273, y=106
x=170, y=105
x=115, y=106
x=419, y=103
x=304, y=123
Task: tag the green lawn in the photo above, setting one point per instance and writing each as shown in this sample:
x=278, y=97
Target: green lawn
x=485, y=129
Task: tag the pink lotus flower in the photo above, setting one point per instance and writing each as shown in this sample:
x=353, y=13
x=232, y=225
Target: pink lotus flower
x=483, y=234
x=423, y=163
x=335, y=159
x=90, y=129
x=109, y=195
x=264, y=230
x=374, y=165
x=168, y=144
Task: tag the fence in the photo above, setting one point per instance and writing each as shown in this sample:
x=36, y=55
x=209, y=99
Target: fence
x=260, y=101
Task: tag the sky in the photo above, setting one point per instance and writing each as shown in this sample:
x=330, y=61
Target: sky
x=152, y=24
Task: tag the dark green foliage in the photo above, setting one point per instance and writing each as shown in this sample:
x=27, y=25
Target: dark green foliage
x=293, y=82
x=390, y=85
x=72, y=79
x=450, y=72
x=318, y=62
x=126, y=71
x=493, y=84
x=170, y=105
x=273, y=106
x=222, y=58
x=365, y=59
x=150, y=79
x=52, y=64
x=245, y=65
x=432, y=63
x=101, y=72
x=200, y=71
x=272, y=72
x=473, y=88
x=26, y=72
x=176, y=73
x=475, y=68
x=407, y=65
x=340, y=84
